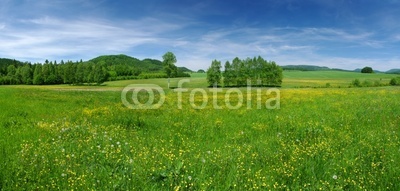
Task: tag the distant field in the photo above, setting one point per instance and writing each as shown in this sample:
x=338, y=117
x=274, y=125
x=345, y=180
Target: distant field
x=335, y=78
x=292, y=79
x=195, y=82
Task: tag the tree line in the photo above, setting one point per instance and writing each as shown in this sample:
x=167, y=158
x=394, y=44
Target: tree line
x=236, y=74
x=95, y=71
x=55, y=73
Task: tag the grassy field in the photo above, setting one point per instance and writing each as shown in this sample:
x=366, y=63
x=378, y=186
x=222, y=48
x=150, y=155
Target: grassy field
x=63, y=138
x=292, y=79
x=334, y=78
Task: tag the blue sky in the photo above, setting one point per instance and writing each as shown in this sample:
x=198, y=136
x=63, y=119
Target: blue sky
x=344, y=34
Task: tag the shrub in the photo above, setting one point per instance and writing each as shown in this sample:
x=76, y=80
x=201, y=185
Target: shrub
x=327, y=85
x=395, y=81
x=152, y=75
x=356, y=83
x=377, y=83
x=366, y=83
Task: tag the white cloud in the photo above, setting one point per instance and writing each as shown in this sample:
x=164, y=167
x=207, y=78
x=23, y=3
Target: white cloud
x=52, y=38
x=288, y=46
x=85, y=36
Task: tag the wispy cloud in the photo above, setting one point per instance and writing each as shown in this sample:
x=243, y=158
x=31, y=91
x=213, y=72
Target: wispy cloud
x=48, y=38
x=288, y=46
x=79, y=29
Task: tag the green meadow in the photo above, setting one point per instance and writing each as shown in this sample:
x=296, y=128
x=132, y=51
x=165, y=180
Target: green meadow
x=334, y=78
x=292, y=79
x=339, y=137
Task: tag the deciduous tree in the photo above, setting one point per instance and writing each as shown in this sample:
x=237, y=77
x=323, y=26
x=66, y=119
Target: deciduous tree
x=169, y=61
x=367, y=70
x=214, y=73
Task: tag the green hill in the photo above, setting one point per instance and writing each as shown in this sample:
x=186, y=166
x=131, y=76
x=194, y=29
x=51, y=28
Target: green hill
x=305, y=67
x=393, y=71
x=5, y=62
x=184, y=69
x=146, y=65
x=334, y=78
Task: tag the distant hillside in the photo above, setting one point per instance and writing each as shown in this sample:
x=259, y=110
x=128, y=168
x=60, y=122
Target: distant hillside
x=184, y=69
x=324, y=68
x=146, y=65
x=5, y=62
x=358, y=70
x=393, y=71
x=305, y=67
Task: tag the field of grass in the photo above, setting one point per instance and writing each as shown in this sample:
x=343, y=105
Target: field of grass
x=328, y=138
x=292, y=79
x=334, y=78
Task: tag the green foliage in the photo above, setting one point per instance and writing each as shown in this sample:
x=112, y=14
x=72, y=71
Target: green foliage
x=367, y=70
x=356, y=83
x=214, y=73
x=184, y=69
x=257, y=70
x=100, y=73
x=366, y=83
x=395, y=81
x=377, y=83
x=125, y=65
x=113, y=67
x=228, y=74
x=11, y=70
x=5, y=63
x=37, y=75
x=169, y=61
x=328, y=85
x=152, y=75
x=26, y=74
x=201, y=71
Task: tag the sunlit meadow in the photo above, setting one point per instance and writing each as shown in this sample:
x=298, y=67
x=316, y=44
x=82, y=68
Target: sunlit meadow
x=319, y=139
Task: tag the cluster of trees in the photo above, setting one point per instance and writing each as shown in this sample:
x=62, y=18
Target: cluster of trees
x=259, y=71
x=367, y=70
x=95, y=71
x=125, y=67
